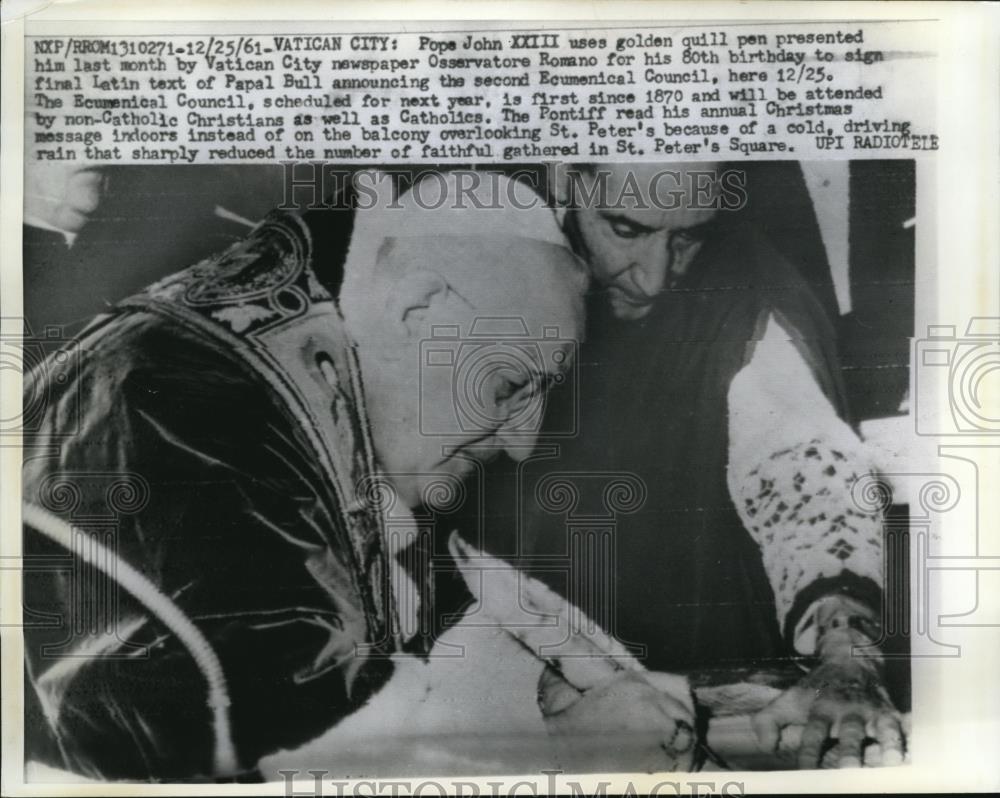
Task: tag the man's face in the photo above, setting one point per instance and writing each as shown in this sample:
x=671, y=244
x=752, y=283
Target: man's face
x=635, y=246
x=467, y=380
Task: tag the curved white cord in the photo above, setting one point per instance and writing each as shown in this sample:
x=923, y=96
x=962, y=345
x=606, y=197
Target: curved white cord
x=166, y=611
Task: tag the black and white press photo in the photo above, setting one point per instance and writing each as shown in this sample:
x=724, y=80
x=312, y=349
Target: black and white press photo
x=627, y=396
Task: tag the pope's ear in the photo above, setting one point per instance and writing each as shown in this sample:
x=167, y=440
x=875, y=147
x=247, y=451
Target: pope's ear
x=411, y=299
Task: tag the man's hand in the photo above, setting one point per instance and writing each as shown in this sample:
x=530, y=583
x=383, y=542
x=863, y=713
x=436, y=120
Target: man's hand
x=59, y=195
x=624, y=724
x=842, y=699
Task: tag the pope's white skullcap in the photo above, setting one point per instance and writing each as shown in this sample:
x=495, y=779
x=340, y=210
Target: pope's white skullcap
x=461, y=203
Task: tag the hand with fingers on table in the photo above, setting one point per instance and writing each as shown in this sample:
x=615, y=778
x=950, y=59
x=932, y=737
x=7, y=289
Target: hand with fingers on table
x=841, y=707
x=627, y=723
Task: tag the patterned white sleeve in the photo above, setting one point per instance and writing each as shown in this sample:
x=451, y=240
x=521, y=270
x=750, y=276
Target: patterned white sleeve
x=793, y=464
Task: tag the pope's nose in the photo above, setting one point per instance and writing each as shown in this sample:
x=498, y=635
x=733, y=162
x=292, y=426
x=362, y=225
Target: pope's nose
x=518, y=446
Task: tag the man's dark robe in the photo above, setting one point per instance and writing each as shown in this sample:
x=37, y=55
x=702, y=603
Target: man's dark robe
x=212, y=432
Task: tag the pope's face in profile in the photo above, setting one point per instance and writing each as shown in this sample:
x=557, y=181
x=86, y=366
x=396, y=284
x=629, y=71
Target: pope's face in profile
x=467, y=353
